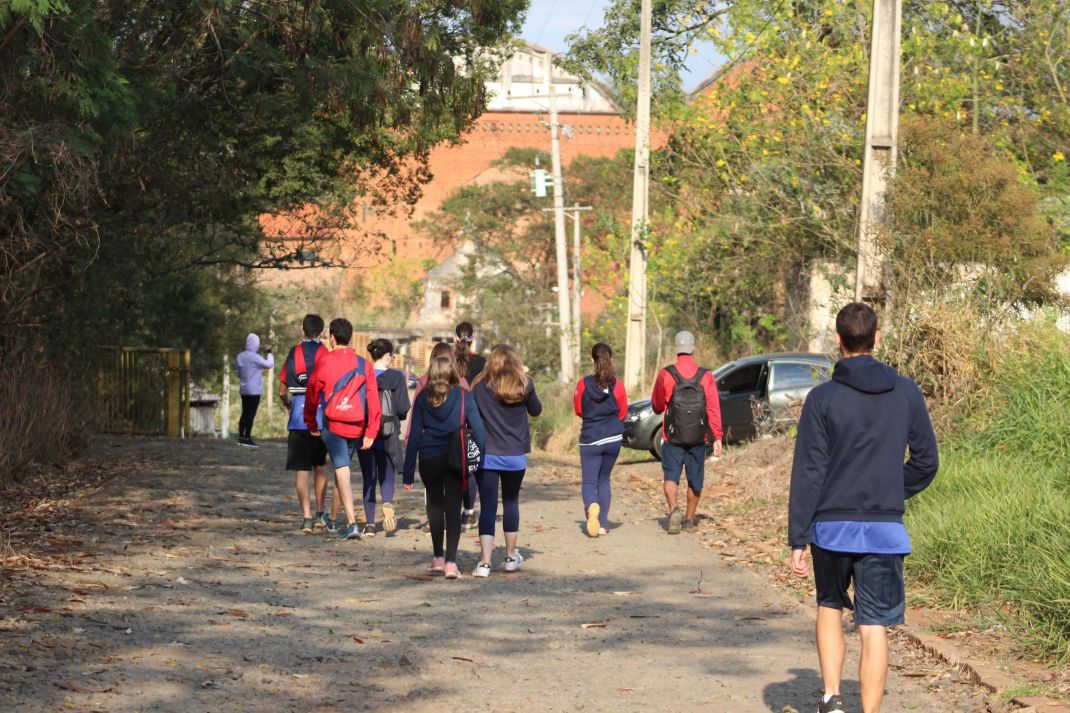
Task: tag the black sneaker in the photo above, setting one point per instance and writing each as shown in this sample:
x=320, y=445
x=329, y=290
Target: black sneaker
x=469, y=520
x=832, y=705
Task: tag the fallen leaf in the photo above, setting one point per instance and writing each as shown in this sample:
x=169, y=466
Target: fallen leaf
x=461, y=658
x=236, y=612
x=594, y=625
x=420, y=577
x=357, y=639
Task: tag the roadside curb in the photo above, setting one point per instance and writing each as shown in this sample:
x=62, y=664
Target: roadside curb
x=984, y=675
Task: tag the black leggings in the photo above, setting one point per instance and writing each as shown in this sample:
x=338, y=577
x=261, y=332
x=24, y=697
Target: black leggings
x=249, y=405
x=443, y=485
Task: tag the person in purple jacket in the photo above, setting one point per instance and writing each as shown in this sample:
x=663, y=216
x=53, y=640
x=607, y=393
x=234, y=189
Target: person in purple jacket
x=849, y=485
x=601, y=402
x=506, y=397
x=251, y=386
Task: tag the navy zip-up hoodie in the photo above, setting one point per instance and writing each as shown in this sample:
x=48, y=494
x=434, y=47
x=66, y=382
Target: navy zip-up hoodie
x=853, y=435
x=508, y=433
x=602, y=410
x=434, y=427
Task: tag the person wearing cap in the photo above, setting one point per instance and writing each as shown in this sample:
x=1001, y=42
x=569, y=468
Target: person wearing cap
x=687, y=394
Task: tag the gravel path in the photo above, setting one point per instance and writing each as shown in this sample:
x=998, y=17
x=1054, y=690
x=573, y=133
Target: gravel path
x=197, y=593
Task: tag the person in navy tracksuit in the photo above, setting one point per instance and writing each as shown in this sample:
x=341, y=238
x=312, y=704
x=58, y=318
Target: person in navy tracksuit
x=602, y=404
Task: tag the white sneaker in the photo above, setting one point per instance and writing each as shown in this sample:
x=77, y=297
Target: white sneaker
x=482, y=570
x=513, y=563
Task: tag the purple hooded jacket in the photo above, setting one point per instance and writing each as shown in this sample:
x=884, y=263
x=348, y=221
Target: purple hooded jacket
x=251, y=367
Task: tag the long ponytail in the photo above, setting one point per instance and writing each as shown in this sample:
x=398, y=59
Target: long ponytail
x=604, y=375
x=465, y=335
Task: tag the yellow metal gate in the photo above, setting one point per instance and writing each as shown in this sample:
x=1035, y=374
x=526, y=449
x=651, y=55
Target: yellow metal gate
x=143, y=391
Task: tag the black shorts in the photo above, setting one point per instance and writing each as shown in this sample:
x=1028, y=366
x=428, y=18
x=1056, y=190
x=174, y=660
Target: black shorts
x=880, y=598
x=304, y=451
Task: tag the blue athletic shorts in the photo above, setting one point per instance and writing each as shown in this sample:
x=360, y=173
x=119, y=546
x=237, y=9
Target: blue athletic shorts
x=340, y=449
x=880, y=597
x=675, y=459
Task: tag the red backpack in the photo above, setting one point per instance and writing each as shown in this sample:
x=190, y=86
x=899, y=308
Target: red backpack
x=346, y=402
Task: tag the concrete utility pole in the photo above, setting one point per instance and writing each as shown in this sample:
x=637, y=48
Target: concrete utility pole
x=882, y=135
x=635, y=349
x=564, y=316
x=577, y=290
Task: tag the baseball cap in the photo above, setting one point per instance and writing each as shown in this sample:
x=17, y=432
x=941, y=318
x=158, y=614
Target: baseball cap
x=685, y=342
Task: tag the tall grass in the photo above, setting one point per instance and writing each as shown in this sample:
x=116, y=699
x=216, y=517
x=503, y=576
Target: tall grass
x=993, y=531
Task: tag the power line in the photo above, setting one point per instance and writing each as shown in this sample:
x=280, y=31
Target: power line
x=553, y=6
x=590, y=12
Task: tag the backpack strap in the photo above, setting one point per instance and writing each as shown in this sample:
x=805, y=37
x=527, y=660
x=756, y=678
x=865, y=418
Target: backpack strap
x=671, y=368
x=675, y=374
x=300, y=366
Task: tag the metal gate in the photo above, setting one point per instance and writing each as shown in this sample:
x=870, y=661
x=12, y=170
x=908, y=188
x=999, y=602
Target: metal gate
x=143, y=391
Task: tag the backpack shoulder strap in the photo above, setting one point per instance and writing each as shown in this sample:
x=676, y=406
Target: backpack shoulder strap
x=674, y=373
x=300, y=365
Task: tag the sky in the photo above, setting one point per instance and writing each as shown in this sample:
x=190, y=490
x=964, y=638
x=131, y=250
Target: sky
x=549, y=21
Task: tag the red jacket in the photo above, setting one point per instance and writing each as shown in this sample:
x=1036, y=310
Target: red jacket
x=663, y=386
x=329, y=369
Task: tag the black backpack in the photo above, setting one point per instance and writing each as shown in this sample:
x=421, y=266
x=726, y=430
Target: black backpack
x=686, y=423
x=389, y=423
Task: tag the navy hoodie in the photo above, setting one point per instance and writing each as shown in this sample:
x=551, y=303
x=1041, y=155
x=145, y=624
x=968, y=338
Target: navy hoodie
x=854, y=433
x=603, y=411
x=508, y=433
x=434, y=427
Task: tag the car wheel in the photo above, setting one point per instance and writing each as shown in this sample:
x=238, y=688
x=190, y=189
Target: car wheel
x=656, y=443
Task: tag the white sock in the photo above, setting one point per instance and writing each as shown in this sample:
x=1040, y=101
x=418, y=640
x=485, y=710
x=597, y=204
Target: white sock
x=826, y=698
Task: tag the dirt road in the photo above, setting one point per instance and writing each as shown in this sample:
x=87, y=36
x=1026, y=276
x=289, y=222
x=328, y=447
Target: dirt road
x=194, y=591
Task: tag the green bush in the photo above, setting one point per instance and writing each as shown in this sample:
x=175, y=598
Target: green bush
x=993, y=531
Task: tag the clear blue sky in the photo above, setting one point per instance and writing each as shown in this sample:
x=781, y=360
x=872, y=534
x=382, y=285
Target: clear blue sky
x=549, y=21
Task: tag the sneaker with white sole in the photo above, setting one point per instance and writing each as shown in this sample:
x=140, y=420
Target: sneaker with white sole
x=833, y=705
x=514, y=562
x=328, y=524
x=349, y=532
x=676, y=521
x=367, y=531
x=390, y=519
x=592, y=519
x=482, y=570
x=451, y=571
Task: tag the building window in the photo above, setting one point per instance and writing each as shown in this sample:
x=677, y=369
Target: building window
x=444, y=300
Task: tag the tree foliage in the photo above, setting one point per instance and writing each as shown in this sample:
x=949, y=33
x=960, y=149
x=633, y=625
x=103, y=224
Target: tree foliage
x=142, y=141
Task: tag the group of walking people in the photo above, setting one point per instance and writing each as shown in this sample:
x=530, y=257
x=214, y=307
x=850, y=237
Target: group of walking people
x=469, y=437
x=468, y=434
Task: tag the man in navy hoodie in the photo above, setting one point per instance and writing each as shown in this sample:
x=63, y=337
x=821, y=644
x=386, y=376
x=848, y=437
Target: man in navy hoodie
x=849, y=484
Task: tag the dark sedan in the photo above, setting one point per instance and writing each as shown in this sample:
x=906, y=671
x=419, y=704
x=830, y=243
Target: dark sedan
x=757, y=394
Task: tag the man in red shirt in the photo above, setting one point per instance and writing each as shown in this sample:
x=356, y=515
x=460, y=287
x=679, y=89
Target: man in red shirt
x=342, y=438
x=687, y=395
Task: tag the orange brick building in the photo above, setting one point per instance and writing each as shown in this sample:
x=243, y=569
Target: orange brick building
x=517, y=117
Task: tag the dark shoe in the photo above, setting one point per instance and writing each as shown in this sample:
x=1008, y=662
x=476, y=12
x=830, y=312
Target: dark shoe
x=367, y=531
x=469, y=520
x=349, y=532
x=676, y=521
x=832, y=705
x=328, y=524
x=306, y=525
x=688, y=525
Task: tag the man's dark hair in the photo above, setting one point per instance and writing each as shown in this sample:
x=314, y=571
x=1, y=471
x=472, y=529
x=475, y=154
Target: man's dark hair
x=341, y=330
x=312, y=326
x=857, y=326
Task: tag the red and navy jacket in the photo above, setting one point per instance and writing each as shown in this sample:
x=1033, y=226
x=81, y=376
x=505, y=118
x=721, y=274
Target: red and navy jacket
x=294, y=374
x=331, y=367
x=688, y=367
x=602, y=410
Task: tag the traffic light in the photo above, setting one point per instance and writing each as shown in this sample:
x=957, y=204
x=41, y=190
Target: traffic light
x=540, y=179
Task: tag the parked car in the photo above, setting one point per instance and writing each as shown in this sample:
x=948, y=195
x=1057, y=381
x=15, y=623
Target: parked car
x=757, y=394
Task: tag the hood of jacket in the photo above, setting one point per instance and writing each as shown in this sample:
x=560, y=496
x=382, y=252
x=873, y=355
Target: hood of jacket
x=391, y=380
x=866, y=374
x=446, y=417
x=596, y=394
x=252, y=343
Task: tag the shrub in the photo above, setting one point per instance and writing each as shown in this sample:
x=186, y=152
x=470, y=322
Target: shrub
x=45, y=416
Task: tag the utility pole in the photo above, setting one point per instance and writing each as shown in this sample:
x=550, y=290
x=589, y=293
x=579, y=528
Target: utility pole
x=882, y=130
x=577, y=290
x=635, y=348
x=564, y=316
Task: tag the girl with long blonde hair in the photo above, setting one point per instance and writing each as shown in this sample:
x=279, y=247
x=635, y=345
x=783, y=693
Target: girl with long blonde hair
x=436, y=421
x=506, y=397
